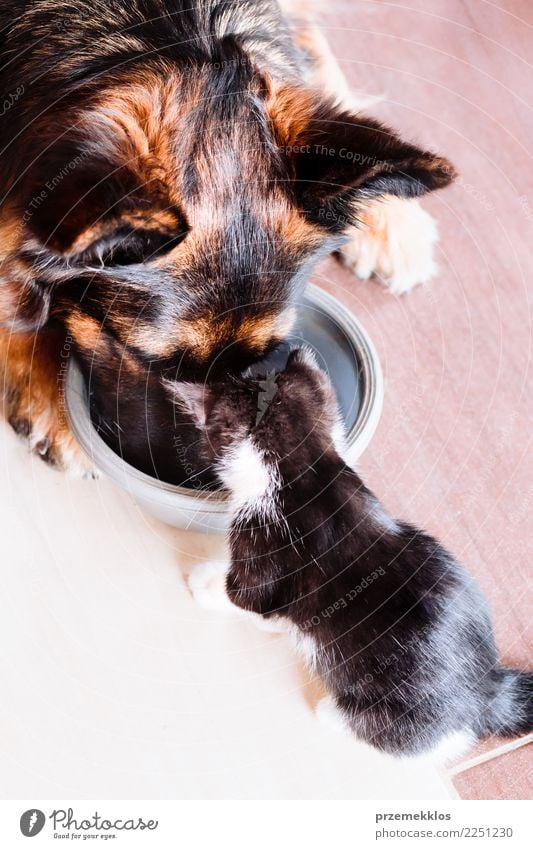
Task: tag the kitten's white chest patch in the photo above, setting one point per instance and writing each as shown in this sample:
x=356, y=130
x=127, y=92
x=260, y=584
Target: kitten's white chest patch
x=252, y=481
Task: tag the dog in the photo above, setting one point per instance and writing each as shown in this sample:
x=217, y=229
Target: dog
x=171, y=174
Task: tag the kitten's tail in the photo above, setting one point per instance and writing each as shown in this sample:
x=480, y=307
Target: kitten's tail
x=510, y=703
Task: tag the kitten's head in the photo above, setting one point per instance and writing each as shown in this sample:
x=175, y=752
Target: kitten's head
x=291, y=416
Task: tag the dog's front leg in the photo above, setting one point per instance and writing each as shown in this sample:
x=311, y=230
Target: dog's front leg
x=32, y=377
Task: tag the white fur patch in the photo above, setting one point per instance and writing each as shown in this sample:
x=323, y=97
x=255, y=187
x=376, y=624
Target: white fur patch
x=451, y=747
x=306, y=647
x=330, y=716
x=307, y=357
x=207, y=583
x=252, y=481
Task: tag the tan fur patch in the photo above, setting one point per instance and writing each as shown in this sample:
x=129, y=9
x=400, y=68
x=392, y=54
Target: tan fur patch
x=10, y=232
x=32, y=382
x=290, y=110
x=139, y=119
x=11, y=271
x=293, y=229
x=202, y=337
x=25, y=354
x=258, y=332
x=199, y=337
x=87, y=332
x=158, y=220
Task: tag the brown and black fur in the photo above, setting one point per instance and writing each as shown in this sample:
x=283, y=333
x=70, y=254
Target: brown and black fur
x=168, y=180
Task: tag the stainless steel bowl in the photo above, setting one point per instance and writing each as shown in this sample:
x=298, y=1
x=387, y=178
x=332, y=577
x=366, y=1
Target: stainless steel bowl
x=342, y=348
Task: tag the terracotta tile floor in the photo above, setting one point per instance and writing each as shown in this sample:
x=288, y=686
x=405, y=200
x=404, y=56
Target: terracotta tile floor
x=505, y=777
x=452, y=450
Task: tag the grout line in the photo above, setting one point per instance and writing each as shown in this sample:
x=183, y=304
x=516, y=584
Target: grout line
x=447, y=778
x=497, y=752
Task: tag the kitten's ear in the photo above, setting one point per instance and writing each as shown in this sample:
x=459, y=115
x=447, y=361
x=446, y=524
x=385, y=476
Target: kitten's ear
x=340, y=159
x=194, y=399
x=303, y=357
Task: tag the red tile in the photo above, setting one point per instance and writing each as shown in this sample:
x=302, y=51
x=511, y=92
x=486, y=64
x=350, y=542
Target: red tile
x=506, y=777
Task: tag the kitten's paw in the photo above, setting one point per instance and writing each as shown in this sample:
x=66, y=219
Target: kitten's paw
x=207, y=583
x=394, y=243
x=330, y=716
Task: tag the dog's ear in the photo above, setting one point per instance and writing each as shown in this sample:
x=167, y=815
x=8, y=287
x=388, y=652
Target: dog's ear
x=194, y=399
x=340, y=160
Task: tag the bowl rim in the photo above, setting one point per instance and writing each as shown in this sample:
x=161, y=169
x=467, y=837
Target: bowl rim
x=131, y=478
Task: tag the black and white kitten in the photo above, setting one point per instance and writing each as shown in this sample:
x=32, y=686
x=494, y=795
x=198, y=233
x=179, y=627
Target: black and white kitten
x=395, y=627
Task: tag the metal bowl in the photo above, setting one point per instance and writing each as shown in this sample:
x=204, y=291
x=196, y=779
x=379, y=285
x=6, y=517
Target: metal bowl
x=342, y=348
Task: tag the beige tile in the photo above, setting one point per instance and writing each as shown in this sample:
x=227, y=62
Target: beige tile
x=116, y=685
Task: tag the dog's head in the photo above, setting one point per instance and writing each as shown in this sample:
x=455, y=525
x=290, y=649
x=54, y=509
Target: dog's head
x=181, y=209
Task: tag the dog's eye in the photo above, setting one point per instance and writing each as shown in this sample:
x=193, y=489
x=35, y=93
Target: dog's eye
x=127, y=247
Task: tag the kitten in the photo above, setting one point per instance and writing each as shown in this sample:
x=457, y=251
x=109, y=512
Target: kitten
x=395, y=627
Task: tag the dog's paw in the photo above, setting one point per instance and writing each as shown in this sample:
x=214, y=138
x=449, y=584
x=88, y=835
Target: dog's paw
x=207, y=583
x=33, y=403
x=45, y=431
x=394, y=243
